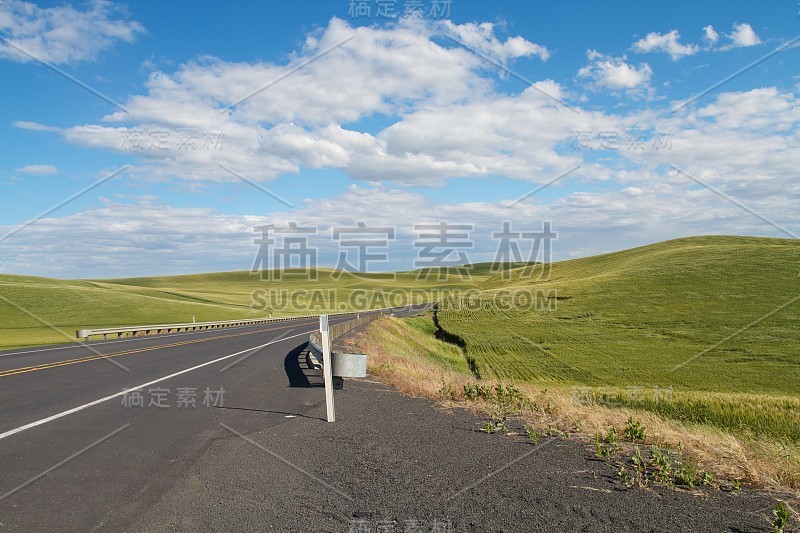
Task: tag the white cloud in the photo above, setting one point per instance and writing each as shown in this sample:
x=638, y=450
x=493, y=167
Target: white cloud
x=481, y=38
x=62, y=34
x=34, y=126
x=742, y=36
x=614, y=73
x=141, y=234
x=376, y=71
x=443, y=117
x=665, y=42
x=765, y=109
x=147, y=238
x=398, y=72
x=746, y=143
x=711, y=35
x=631, y=192
x=38, y=170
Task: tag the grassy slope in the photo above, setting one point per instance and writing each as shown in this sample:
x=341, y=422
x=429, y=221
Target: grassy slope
x=69, y=305
x=629, y=318
x=235, y=288
x=625, y=321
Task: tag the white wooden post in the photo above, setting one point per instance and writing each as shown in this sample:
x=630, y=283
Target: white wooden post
x=327, y=366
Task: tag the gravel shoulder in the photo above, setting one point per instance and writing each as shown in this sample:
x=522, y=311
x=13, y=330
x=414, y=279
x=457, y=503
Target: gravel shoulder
x=392, y=462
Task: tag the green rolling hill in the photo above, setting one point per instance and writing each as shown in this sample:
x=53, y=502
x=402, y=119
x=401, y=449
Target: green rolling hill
x=704, y=329
x=35, y=311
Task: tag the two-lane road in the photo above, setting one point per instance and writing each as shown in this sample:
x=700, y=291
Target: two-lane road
x=77, y=452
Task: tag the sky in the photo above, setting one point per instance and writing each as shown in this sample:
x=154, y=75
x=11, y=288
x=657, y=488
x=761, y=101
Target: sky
x=157, y=138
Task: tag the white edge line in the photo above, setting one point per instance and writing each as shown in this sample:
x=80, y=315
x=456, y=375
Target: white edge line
x=143, y=385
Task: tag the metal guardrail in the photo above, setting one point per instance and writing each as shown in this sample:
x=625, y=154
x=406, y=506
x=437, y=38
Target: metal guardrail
x=194, y=326
x=337, y=330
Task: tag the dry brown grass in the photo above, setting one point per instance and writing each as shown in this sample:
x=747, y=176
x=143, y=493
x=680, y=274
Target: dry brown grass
x=400, y=355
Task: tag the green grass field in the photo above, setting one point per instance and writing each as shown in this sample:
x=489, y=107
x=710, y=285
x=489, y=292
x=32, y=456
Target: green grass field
x=35, y=311
x=703, y=329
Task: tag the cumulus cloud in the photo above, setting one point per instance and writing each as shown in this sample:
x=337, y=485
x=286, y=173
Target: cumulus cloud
x=614, y=73
x=142, y=234
x=766, y=109
x=62, y=34
x=445, y=118
x=665, y=42
x=742, y=35
x=481, y=38
x=711, y=35
x=366, y=70
x=746, y=144
x=38, y=170
x=400, y=71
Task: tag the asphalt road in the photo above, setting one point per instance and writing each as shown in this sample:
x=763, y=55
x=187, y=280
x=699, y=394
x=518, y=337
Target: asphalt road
x=78, y=453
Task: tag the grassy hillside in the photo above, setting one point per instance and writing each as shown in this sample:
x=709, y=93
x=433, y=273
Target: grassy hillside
x=696, y=329
x=29, y=304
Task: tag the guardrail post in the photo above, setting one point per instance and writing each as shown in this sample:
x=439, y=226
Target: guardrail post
x=327, y=366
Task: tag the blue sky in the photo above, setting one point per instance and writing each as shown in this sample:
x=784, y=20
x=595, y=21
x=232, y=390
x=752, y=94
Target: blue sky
x=447, y=116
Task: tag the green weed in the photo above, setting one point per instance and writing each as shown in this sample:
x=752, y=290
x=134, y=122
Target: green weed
x=533, y=435
x=634, y=430
x=781, y=517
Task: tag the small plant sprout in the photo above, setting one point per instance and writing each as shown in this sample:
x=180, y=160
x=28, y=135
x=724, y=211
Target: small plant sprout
x=634, y=430
x=533, y=435
x=661, y=464
x=599, y=449
x=781, y=514
x=612, y=440
x=470, y=392
x=642, y=473
x=603, y=451
x=663, y=467
x=446, y=391
x=611, y=436
x=623, y=475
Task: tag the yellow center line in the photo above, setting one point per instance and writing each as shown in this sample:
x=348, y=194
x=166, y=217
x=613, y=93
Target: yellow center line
x=45, y=366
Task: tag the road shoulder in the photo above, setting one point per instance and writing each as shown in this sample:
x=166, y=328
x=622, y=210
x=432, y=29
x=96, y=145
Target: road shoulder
x=395, y=461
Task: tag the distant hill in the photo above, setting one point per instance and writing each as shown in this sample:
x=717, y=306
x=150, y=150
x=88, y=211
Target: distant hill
x=69, y=305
